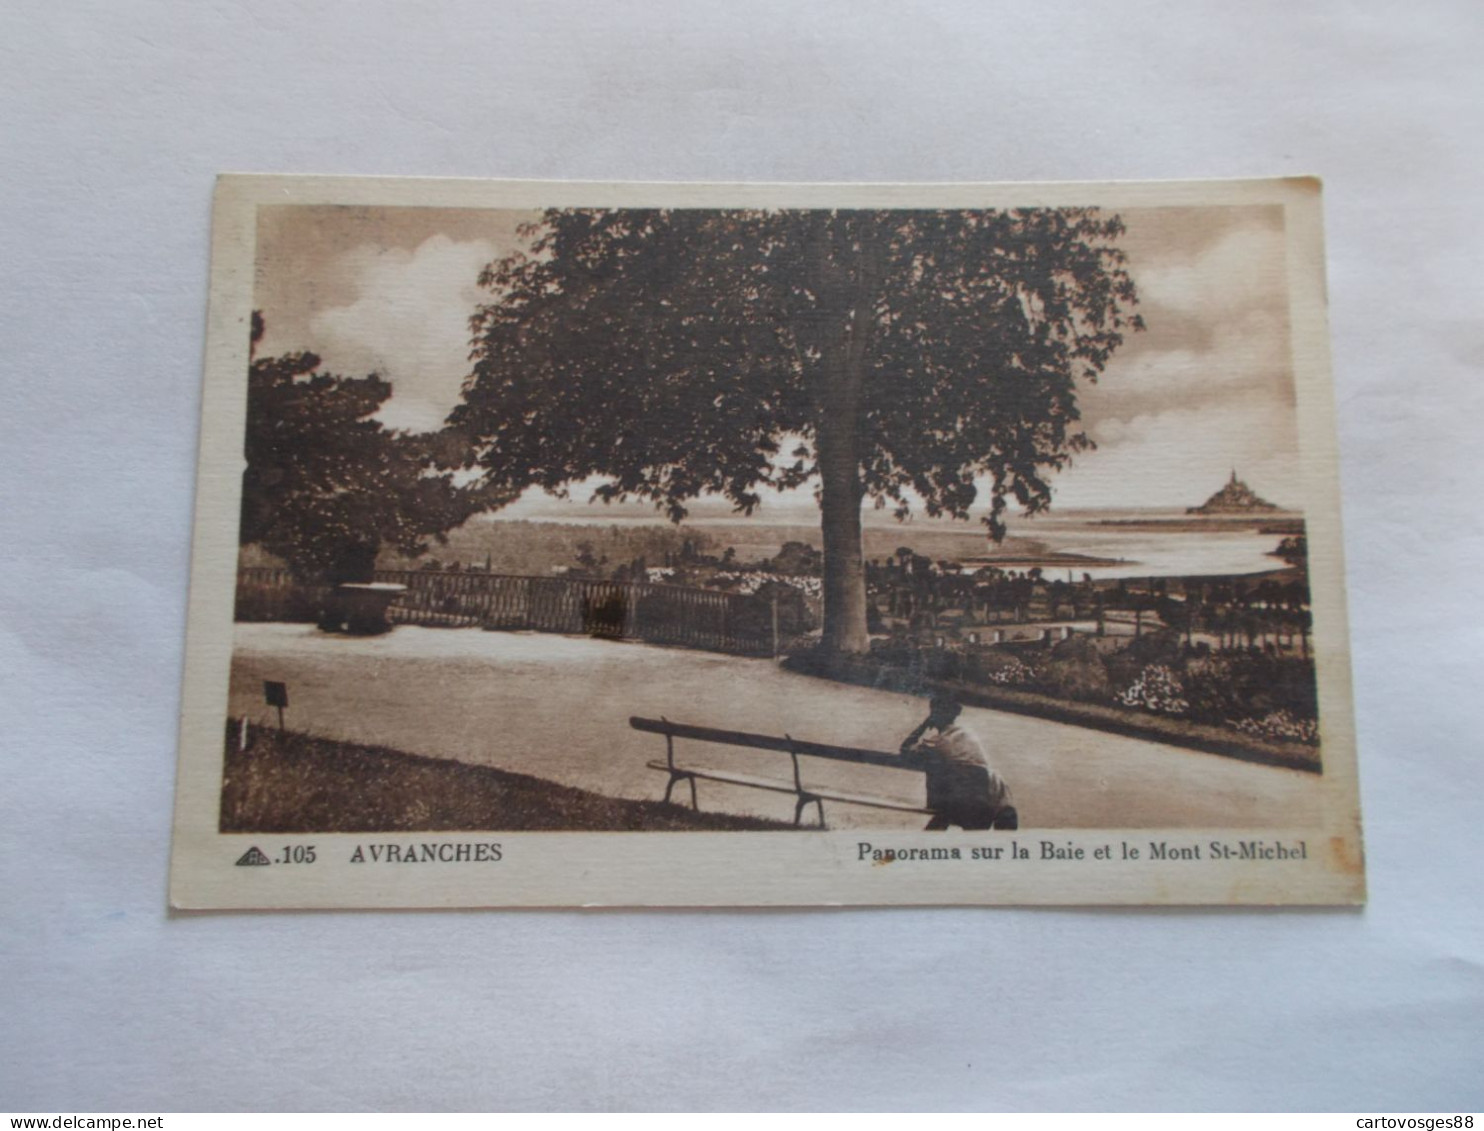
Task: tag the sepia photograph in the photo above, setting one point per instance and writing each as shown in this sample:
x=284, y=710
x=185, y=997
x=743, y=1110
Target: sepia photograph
x=986, y=531
x=707, y=556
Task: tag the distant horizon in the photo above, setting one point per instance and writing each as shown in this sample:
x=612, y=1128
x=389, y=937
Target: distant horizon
x=799, y=508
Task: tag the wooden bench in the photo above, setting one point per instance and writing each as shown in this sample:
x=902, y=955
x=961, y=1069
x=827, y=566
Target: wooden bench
x=804, y=795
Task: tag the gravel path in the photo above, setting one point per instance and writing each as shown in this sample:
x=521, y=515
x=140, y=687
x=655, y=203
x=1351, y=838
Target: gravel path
x=558, y=707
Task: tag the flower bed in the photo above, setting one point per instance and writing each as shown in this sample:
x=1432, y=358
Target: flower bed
x=1165, y=701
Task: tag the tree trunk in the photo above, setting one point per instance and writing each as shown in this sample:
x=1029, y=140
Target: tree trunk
x=840, y=524
x=844, y=279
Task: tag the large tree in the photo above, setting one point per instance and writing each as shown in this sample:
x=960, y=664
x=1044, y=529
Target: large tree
x=326, y=484
x=887, y=354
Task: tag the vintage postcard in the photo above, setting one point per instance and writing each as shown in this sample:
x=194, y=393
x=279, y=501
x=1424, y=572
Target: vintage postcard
x=640, y=545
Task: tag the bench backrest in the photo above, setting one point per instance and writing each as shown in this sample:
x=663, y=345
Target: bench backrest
x=771, y=742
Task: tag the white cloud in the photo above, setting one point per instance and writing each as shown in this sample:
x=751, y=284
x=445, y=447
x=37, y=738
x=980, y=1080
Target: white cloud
x=1243, y=270
x=409, y=322
x=1248, y=355
x=1167, y=458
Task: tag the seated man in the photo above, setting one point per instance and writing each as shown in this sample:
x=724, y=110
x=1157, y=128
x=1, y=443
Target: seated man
x=962, y=790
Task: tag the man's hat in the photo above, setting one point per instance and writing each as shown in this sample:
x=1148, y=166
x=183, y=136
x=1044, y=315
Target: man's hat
x=945, y=702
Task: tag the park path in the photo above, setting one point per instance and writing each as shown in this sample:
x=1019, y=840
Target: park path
x=557, y=707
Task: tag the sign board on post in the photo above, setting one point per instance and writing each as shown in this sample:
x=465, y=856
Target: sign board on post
x=276, y=694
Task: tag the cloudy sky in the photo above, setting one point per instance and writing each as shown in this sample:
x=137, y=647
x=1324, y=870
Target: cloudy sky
x=1206, y=389
x=1209, y=386
x=385, y=290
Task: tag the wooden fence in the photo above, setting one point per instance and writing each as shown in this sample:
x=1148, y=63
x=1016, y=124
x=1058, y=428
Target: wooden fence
x=661, y=614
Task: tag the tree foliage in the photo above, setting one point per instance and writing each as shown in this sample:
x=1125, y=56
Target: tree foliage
x=895, y=355
x=326, y=485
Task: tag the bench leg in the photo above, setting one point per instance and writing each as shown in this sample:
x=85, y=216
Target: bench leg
x=804, y=801
x=676, y=776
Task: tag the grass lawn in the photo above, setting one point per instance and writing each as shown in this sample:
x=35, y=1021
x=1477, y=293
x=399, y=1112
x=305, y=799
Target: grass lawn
x=286, y=782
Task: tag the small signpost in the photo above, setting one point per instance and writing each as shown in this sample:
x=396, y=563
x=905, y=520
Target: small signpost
x=276, y=695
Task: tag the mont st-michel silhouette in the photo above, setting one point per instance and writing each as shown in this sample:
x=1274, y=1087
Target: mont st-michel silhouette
x=1235, y=498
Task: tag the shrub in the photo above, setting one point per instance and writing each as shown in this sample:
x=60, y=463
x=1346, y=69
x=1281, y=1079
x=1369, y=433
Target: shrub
x=1076, y=671
x=1212, y=693
x=1250, y=685
x=1012, y=673
x=1157, y=689
x=1283, y=726
x=1002, y=669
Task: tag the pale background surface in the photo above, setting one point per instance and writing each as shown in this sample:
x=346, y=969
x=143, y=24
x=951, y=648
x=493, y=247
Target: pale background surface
x=116, y=116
